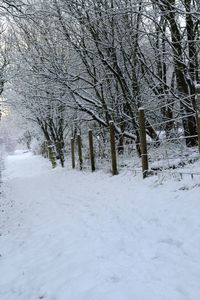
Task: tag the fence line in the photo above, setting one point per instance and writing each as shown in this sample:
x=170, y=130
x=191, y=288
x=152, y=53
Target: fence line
x=163, y=152
x=172, y=120
x=172, y=103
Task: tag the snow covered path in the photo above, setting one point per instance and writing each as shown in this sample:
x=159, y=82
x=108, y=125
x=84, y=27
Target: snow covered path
x=67, y=235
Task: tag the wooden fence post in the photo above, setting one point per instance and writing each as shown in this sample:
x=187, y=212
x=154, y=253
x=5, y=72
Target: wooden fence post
x=198, y=130
x=73, y=153
x=52, y=154
x=80, y=151
x=91, y=147
x=113, y=148
x=143, y=142
x=46, y=149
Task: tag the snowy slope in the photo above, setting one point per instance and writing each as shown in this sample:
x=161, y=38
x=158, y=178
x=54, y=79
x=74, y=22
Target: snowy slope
x=67, y=235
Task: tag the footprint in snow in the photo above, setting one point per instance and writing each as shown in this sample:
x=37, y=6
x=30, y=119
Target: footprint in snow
x=171, y=242
x=115, y=278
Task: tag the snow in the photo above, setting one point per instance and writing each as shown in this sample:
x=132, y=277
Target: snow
x=71, y=235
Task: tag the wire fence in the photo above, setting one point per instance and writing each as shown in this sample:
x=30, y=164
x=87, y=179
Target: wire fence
x=167, y=145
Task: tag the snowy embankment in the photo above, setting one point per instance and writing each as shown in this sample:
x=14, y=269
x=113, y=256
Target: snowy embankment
x=67, y=235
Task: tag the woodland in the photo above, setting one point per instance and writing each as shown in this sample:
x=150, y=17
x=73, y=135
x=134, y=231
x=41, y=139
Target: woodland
x=72, y=65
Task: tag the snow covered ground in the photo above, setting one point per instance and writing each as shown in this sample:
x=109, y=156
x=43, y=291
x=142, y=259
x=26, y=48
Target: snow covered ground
x=70, y=235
